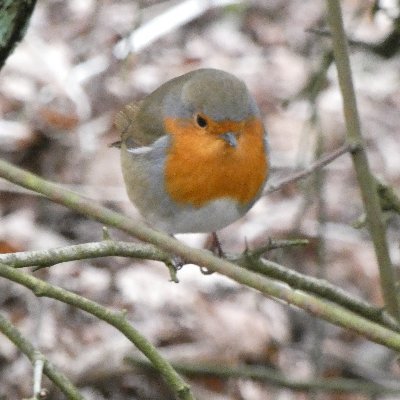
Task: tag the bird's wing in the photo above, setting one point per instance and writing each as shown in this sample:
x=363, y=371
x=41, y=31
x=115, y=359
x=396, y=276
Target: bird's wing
x=140, y=124
x=126, y=125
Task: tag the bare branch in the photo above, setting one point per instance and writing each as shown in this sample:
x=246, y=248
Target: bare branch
x=276, y=378
x=316, y=306
x=310, y=169
x=9, y=330
x=365, y=179
x=106, y=248
x=320, y=287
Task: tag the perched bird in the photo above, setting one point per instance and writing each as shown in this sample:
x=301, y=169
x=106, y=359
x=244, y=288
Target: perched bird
x=194, y=152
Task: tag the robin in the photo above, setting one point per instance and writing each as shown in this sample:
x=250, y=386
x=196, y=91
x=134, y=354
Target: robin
x=194, y=152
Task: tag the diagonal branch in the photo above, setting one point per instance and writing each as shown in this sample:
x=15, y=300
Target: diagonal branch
x=310, y=169
x=319, y=287
x=250, y=260
x=315, y=306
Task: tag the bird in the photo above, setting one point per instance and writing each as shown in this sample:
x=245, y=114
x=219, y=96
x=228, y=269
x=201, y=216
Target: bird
x=194, y=152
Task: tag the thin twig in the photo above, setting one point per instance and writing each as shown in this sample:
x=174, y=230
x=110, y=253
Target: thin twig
x=310, y=169
x=61, y=381
x=326, y=33
x=318, y=329
x=274, y=377
x=272, y=244
x=386, y=47
x=365, y=179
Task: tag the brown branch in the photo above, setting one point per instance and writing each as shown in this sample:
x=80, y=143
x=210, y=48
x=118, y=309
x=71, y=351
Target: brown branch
x=310, y=169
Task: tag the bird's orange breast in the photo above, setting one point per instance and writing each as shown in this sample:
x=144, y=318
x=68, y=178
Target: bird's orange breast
x=201, y=167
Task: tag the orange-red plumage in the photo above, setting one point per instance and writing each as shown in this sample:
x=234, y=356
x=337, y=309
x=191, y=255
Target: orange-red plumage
x=212, y=169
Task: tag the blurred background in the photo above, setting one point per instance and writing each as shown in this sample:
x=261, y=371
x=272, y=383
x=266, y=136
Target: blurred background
x=79, y=63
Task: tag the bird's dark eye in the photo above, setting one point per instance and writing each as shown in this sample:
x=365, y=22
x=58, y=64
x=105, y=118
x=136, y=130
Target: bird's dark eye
x=201, y=121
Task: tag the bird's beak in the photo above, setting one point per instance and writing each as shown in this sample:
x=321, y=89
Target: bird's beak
x=230, y=138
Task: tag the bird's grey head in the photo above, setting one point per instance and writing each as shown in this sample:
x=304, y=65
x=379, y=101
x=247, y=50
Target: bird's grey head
x=215, y=93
